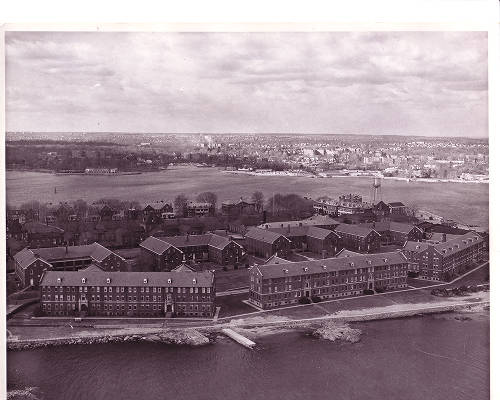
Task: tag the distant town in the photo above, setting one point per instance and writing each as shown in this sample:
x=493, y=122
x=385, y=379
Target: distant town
x=458, y=159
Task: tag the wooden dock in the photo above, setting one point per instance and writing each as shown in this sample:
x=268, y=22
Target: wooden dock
x=238, y=338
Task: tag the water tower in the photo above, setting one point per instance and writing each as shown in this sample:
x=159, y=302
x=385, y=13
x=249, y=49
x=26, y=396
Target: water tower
x=376, y=190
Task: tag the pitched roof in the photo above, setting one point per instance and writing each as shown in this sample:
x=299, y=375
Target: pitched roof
x=384, y=226
x=331, y=264
x=160, y=244
x=396, y=204
x=276, y=260
x=356, y=230
x=346, y=253
x=155, y=205
x=37, y=227
x=155, y=245
x=236, y=202
x=264, y=235
x=415, y=246
x=99, y=278
x=92, y=268
x=459, y=243
x=312, y=221
x=183, y=268
x=25, y=258
x=95, y=251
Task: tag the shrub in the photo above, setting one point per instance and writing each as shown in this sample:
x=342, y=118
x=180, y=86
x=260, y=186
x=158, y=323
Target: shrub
x=304, y=300
x=368, y=291
x=235, y=267
x=380, y=290
x=316, y=299
x=412, y=274
x=37, y=312
x=224, y=268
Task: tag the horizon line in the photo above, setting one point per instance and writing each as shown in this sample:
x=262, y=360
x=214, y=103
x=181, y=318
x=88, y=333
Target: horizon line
x=245, y=133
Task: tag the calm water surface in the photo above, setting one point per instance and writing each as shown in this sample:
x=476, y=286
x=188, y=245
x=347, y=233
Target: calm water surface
x=465, y=203
x=419, y=358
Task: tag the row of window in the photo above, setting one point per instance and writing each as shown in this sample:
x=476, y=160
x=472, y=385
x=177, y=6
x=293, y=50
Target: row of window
x=123, y=289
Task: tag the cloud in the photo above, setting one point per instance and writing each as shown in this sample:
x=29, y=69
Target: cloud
x=430, y=83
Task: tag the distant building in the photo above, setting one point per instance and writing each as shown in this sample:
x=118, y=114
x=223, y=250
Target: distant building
x=198, y=209
x=265, y=243
x=165, y=253
x=358, y=238
x=352, y=204
x=37, y=234
x=311, y=238
x=396, y=232
x=92, y=292
x=156, y=210
x=30, y=263
x=101, y=171
x=236, y=208
x=398, y=208
x=281, y=284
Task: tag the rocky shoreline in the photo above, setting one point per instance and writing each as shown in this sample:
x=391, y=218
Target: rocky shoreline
x=334, y=331
x=189, y=337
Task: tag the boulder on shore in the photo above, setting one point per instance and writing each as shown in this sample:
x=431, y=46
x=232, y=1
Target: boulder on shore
x=336, y=331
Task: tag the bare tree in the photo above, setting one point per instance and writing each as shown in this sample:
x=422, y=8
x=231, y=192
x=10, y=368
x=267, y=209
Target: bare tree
x=258, y=199
x=207, y=197
x=180, y=204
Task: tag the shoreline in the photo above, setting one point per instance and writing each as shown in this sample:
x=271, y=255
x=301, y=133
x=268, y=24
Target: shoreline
x=396, y=178
x=204, y=335
x=271, y=174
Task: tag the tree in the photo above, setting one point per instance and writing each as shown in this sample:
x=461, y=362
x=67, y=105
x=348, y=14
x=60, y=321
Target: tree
x=258, y=199
x=207, y=197
x=180, y=203
x=80, y=206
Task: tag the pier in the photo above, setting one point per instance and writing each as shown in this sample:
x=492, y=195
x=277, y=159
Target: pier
x=238, y=338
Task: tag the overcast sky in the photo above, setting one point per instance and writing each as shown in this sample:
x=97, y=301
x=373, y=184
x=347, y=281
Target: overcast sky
x=418, y=83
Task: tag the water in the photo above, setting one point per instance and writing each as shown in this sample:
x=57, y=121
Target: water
x=432, y=357
x=465, y=203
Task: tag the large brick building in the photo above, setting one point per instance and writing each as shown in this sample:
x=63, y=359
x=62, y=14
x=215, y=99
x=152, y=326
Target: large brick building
x=444, y=260
x=164, y=253
x=358, y=238
x=279, y=284
x=37, y=234
x=30, y=263
x=93, y=292
x=310, y=238
x=236, y=208
x=396, y=232
x=265, y=243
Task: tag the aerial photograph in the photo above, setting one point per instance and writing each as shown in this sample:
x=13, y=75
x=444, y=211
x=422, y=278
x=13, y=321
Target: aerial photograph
x=247, y=215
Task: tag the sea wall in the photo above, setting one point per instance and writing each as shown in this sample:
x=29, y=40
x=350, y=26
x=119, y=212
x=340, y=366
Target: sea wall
x=186, y=336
